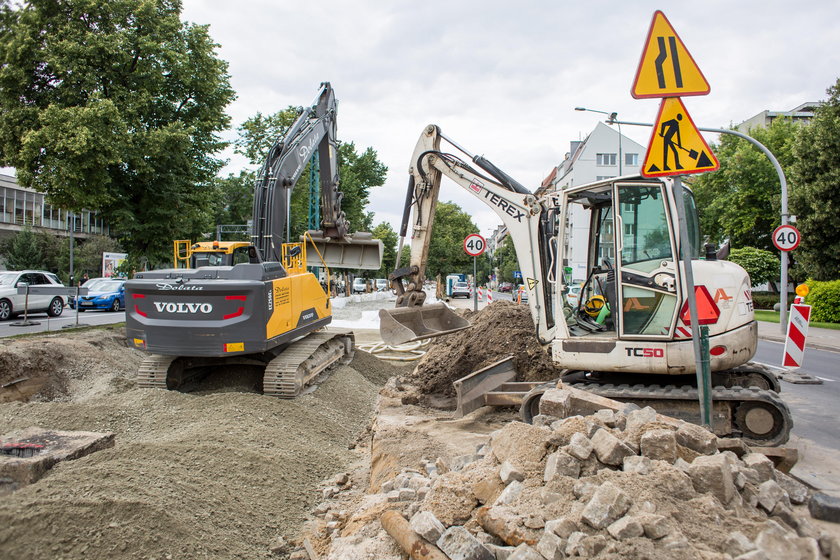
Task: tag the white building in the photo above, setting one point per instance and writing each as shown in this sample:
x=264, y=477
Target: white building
x=604, y=154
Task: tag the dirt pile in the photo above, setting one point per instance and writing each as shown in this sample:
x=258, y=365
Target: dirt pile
x=222, y=472
x=499, y=330
x=606, y=486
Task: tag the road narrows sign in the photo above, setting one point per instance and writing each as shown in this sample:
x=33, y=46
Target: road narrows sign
x=666, y=68
x=786, y=238
x=676, y=146
x=474, y=245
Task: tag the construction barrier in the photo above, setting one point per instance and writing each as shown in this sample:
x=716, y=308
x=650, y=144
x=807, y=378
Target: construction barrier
x=797, y=331
x=480, y=294
x=489, y=296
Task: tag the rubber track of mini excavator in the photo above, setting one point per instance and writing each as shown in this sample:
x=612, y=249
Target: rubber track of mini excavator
x=688, y=396
x=287, y=374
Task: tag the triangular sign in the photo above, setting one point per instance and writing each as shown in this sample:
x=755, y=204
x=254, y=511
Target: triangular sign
x=676, y=146
x=707, y=309
x=531, y=283
x=666, y=68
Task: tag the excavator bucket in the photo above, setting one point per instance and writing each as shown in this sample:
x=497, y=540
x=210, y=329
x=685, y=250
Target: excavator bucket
x=405, y=324
x=359, y=251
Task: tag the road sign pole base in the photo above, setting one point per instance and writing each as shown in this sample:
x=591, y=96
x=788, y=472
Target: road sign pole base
x=24, y=323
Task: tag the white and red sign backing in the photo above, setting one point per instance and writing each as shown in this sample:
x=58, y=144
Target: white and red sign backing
x=797, y=331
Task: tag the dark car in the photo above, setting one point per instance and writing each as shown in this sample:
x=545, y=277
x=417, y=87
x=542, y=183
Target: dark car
x=103, y=293
x=506, y=287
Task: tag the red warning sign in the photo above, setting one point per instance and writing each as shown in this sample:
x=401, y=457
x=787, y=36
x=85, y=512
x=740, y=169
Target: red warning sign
x=707, y=310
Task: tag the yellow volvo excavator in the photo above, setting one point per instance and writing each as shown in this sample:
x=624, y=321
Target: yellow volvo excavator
x=630, y=335
x=255, y=303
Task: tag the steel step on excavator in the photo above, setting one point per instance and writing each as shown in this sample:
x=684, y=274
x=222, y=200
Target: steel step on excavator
x=255, y=303
x=629, y=335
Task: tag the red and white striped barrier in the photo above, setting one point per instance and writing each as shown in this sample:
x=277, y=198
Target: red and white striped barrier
x=797, y=330
x=480, y=294
x=489, y=296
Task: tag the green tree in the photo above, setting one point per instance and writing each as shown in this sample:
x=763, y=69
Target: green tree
x=22, y=251
x=235, y=198
x=762, y=266
x=87, y=255
x=358, y=173
x=506, y=261
x=389, y=238
x=116, y=107
x=446, y=248
x=741, y=201
x=815, y=198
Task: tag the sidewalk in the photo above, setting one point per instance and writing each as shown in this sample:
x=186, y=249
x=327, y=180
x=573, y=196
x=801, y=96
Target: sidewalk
x=819, y=339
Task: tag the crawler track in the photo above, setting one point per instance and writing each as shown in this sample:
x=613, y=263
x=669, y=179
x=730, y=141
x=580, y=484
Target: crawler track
x=287, y=374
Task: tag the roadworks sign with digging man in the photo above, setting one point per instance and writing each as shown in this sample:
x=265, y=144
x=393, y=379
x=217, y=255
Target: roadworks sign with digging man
x=676, y=146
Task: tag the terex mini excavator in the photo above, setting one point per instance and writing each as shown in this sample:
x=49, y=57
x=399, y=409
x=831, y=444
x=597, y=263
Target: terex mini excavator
x=639, y=348
x=258, y=305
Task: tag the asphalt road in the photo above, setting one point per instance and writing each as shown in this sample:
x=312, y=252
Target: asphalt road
x=814, y=410
x=55, y=324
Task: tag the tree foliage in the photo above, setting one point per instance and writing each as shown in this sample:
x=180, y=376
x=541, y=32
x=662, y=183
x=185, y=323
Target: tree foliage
x=116, y=107
x=446, y=248
x=815, y=198
x=22, y=251
x=761, y=265
x=506, y=260
x=389, y=238
x=741, y=201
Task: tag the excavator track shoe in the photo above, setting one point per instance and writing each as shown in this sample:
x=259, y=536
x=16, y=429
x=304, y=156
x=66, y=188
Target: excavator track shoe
x=287, y=374
x=154, y=371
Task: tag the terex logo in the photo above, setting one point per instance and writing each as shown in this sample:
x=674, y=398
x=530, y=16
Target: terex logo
x=163, y=307
x=506, y=206
x=646, y=352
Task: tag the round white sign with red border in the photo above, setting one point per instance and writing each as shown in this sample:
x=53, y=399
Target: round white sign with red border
x=786, y=238
x=474, y=245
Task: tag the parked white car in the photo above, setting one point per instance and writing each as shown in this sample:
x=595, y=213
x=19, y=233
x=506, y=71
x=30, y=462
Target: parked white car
x=382, y=285
x=12, y=303
x=359, y=285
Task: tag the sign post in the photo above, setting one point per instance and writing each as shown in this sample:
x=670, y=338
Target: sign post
x=667, y=70
x=474, y=245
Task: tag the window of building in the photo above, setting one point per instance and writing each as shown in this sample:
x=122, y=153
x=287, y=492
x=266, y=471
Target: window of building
x=605, y=160
x=603, y=177
x=631, y=159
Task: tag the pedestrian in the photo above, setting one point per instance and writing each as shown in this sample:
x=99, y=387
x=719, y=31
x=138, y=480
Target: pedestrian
x=84, y=278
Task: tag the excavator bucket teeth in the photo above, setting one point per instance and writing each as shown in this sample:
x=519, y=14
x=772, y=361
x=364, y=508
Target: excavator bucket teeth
x=361, y=251
x=405, y=324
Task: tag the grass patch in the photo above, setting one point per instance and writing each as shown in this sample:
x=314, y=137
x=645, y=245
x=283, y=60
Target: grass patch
x=773, y=317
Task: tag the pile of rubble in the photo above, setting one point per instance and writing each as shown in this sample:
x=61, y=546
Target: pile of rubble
x=621, y=482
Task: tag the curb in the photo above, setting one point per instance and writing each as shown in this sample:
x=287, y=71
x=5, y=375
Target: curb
x=814, y=345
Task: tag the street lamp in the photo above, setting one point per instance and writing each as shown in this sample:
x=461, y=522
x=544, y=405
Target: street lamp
x=611, y=119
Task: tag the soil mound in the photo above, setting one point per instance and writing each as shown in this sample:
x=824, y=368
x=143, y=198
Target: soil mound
x=221, y=472
x=499, y=330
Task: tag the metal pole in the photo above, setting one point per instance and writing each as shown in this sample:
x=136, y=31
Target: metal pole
x=72, y=227
x=704, y=385
x=783, y=311
x=475, y=283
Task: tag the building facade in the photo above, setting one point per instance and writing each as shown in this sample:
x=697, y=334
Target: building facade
x=21, y=207
x=802, y=114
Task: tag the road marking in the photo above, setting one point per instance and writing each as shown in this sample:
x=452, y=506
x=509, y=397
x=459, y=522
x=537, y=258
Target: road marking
x=771, y=366
x=824, y=379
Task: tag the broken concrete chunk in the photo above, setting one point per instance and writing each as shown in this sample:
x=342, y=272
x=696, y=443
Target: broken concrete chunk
x=659, y=444
x=712, y=473
x=556, y=402
x=561, y=463
x=627, y=527
x=655, y=526
x=697, y=438
x=681, y=465
x=562, y=527
x=460, y=544
x=797, y=492
x=607, y=504
x=535, y=521
x=735, y=445
x=509, y=473
x=542, y=420
x=500, y=552
x=809, y=549
x=579, y=446
x=425, y=524
x=769, y=494
x=753, y=555
x=775, y=544
x=407, y=494
x=584, y=489
x=761, y=464
x=737, y=544
x=638, y=418
x=551, y=547
x=509, y=494
x=520, y=443
x=609, y=449
x=460, y=462
x=579, y=544
x=825, y=507
x=525, y=552
x=606, y=417
x=487, y=489
x=636, y=464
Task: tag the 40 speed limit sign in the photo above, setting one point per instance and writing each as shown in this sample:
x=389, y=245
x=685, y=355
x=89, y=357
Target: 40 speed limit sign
x=786, y=238
x=474, y=245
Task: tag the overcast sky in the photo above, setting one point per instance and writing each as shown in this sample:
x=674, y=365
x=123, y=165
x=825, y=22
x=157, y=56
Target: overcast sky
x=503, y=78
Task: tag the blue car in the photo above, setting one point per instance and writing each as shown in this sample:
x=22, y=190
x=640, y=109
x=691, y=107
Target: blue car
x=103, y=293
